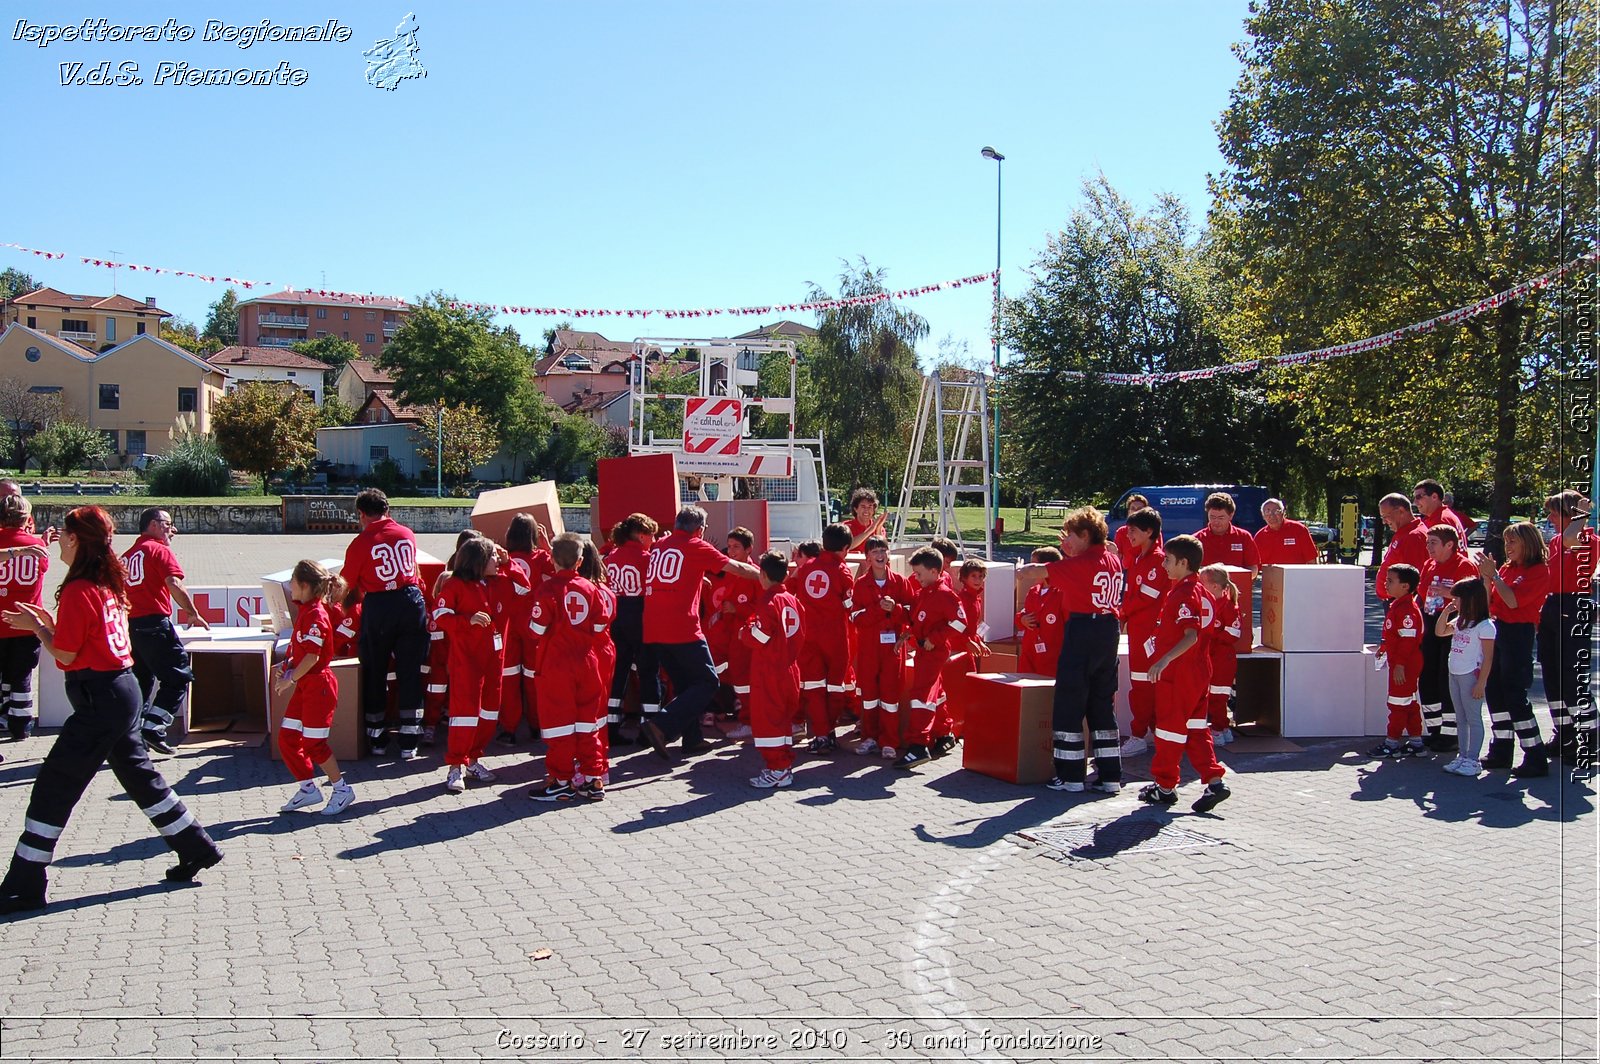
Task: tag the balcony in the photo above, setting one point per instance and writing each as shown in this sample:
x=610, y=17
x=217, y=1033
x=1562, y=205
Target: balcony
x=276, y=341
x=286, y=320
x=390, y=328
x=76, y=334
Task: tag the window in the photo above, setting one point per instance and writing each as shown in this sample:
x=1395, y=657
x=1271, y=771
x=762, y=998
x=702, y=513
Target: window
x=291, y=373
x=141, y=328
x=32, y=354
x=188, y=400
x=377, y=454
x=110, y=397
x=111, y=438
x=321, y=333
x=347, y=334
x=33, y=323
x=346, y=315
x=371, y=339
x=111, y=329
x=136, y=441
x=322, y=312
x=75, y=325
x=372, y=315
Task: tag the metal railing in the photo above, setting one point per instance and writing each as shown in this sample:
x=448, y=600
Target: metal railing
x=284, y=319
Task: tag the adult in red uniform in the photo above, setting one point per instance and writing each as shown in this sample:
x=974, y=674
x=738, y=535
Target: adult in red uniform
x=1447, y=563
x=380, y=565
x=1222, y=541
x=824, y=597
x=307, y=677
x=678, y=567
x=1282, y=541
x=565, y=610
x=1409, y=543
x=775, y=634
x=627, y=565
x=1089, y=581
x=88, y=637
x=21, y=581
x=1040, y=622
x=880, y=611
x=1517, y=592
x=160, y=663
x=1565, y=627
x=1144, y=566
x=1428, y=499
x=936, y=617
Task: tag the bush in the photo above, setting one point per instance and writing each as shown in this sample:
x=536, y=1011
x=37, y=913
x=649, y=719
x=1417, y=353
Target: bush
x=578, y=493
x=386, y=476
x=194, y=466
x=67, y=445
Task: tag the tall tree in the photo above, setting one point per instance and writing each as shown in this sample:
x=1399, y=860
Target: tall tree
x=181, y=332
x=1386, y=161
x=328, y=349
x=468, y=440
x=25, y=413
x=13, y=283
x=265, y=426
x=222, y=324
x=455, y=357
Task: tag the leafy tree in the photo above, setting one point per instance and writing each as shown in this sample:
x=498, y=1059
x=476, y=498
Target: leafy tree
x=1387, y=161
x=455, y=357
x=68, y=444
x=332, y=350
x=181, y=332
x=469, y=441
x=13, y=283
x=528, y=420
x=334, y=412
x=264, y=426
x=222, y=324
x=24, y=413
x=575, y=444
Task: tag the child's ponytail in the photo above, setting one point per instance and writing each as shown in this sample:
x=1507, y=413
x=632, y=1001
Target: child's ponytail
x=1216, y=574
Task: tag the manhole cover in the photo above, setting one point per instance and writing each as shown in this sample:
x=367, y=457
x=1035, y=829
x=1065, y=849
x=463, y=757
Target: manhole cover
x=1093, y=842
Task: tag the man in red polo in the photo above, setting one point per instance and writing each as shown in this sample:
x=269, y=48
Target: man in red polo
x=1223, y=542
x=1410, y=542
x=1428, y=499
x=1282, y=541
x=380, y=566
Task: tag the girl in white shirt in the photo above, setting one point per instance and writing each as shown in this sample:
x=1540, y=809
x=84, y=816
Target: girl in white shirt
x=1465, y=622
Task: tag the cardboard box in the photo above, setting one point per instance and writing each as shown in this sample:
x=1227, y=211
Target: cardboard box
x=1324, y=694
x=723, y=517
x=1258, y=692
x=277, y=597
x=1008, y=729
x=1377, y=692
x=640, y=483
x=1313, y=607
x=493, y=510
x=349, y=738
x=231, y=669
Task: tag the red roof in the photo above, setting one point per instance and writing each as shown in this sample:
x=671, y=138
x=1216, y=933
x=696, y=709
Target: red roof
x=367, y=372
x=379, y=404
x=51, y=297
x=272, y=357
x=313, y=298
x=587, y=404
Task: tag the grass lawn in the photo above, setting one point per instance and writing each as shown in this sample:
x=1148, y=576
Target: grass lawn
x=1046, y=531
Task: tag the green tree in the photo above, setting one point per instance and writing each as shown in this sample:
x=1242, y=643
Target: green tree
x=456, y=357
x=575, y=444
x=334, y=412
x=863, y=362
x=528, y=420
x=265, y=426
x=332, y=350
x=1387, y=161
x=222, y=324
x=181, y=332
x=13, y=283
x=68, y=444
x=469, y=441
x=25, y=413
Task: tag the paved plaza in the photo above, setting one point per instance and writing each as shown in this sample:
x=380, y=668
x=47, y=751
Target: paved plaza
x=1335, y=909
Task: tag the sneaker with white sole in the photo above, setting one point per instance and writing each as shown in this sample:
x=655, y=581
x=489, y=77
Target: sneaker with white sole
x=1454, y=764
x=867, y=747
x=554, y=791
x=1070, y=786
x=1106, y=787
x=1222, y=738
x=740, y=731
x=307, y=794
x=770, y=779
x=1133, y=746
x=1464, y=767
x=888, y=753
x=1155, y=794
x=453, y=781
x=339, y=801
x=479, y=772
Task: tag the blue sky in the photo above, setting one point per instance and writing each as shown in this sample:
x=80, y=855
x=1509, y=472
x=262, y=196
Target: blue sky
x=612, y=153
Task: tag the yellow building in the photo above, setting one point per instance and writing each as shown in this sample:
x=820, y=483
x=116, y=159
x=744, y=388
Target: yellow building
x=96, y=322
x=140, y=393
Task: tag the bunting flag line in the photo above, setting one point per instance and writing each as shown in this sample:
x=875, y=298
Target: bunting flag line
x=1371, y=343
x=135, y=267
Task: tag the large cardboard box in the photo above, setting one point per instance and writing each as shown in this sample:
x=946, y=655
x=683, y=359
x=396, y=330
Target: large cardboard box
x=493, y=510
x=1377, y=693
x=1008, y=731
x=1313, y=607
x=640, y=483
x=1324, y=694
x=231, y=670
x=1258, y=692
x=348, y=738
x=723, y=517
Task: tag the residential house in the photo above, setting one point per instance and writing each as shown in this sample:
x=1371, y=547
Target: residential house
x=95, y=322
x=357, y=381
x=277, y=364
x=285, y=318
x=607, y=409
x=140, y=393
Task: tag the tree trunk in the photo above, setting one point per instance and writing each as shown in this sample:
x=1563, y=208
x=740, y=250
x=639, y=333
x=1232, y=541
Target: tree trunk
x=1507, y=345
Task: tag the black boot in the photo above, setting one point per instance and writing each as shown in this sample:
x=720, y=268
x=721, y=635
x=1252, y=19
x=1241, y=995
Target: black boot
x=196, y=852
x=1534, y=765
x=23, y=888
x=1499, y=755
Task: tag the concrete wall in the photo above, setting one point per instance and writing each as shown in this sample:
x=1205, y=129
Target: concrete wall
x=268, y=518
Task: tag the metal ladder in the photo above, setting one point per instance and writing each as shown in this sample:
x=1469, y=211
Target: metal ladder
x=932, y=484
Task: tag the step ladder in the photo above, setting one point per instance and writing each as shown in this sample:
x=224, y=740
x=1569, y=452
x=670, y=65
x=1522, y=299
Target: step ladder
x=941, y=466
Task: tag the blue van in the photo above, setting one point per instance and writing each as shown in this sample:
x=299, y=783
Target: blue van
x=1183, y=506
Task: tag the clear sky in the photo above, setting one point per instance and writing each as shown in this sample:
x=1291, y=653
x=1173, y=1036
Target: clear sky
x=690, y=153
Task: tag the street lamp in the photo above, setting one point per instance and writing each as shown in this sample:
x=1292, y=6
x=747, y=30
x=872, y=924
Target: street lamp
x=999, y=166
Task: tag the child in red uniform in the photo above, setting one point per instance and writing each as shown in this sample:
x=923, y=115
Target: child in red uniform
x=1401, y=650
x=466, y=615
x=592, y=568
x=566, y=609
x=308, y=720
x=1181, y=671
x=1222, y=645
x=436, y=693
x=730, y=603
x=1039, y=622
x=529, y=566
x=936, y=617
x=825, y=658
x=1144, y=565
x=966, y=649
x=774, y=635
x=880, y=611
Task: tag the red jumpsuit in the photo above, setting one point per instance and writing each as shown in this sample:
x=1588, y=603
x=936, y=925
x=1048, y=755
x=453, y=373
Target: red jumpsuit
x=775, y=636
x=308, y=720
x=474, y=666
x=1410, y=545
x=436, y=692
x=825, y=657
x=879, y=657
x=952, y=716
x=1222, y=644
x=566, y=610
x=1039, y=649
x=1401, y=645
x=518, y=698
x=936, y=618
x=605, y=655
x=1147, y=583
x=1181, y=724
x=729, y=605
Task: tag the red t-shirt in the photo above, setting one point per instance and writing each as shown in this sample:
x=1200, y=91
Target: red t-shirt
x=678, y=566
x=1433, y=592
x=313, y=634
x=90, y=624
x=1147, y=582
x=21, y=578
x=1410, y=545
x=149, y=563
x=1530, y=583
x=1402, y=635
x=382, y=557
x=1090, y=582
x=1447, y=516
x=1290, y=544
x=625, y=569
x=1186, y=606
x=1234, y=547
x=1572, y=568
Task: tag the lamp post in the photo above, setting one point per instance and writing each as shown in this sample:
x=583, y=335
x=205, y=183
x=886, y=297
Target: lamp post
x=999, y=166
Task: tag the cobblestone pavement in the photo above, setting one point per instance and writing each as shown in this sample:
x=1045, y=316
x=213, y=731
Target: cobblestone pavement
x=1334, y=909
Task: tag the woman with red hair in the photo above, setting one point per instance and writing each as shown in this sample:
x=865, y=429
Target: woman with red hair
x=88, y=637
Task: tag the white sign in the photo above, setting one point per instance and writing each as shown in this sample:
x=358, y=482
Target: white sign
x=712, y=426
x=737, y=465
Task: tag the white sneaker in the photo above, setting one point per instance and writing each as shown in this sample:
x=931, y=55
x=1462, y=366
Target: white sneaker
x=1222, y=738
x=889, y=753
x=740, y=731
x=305, y=795
x=1133, y=746
x=340, y=801
x=480, y=772
x=867, y=746
x=1105, y=787
x=410, y=755
x=770, y=779
x=1059, y=784
x=453, y=781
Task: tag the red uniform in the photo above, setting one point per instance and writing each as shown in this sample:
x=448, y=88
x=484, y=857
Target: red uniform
x=825, y=657
x=1289, y=544
x=1530, y=583
x=566, y=609
x=1446, y=516
x=91, y=624
x=879, y=659
x=626, y=567
x=528, y=569
x=732, y=601
x=1221, y=642
x=149, y=562
x=1039, y=650
x=1147, y=584
x=21, y=581
x=1234, y=547
x=605, y=659
x=1433, y=592
x=678, y=567
x=1572, y=569
x=475, y=655
x=1401, y=645
x=936, y=616
x=437, y=670
x=382, y=557
x=1181, y=722
x=1410, y=545
x=775, y=635
x=308, y=719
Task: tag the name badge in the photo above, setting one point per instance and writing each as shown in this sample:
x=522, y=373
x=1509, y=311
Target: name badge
x=1039, y=648
x=886, y=637
x=498, y=643
x=1150, y=646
